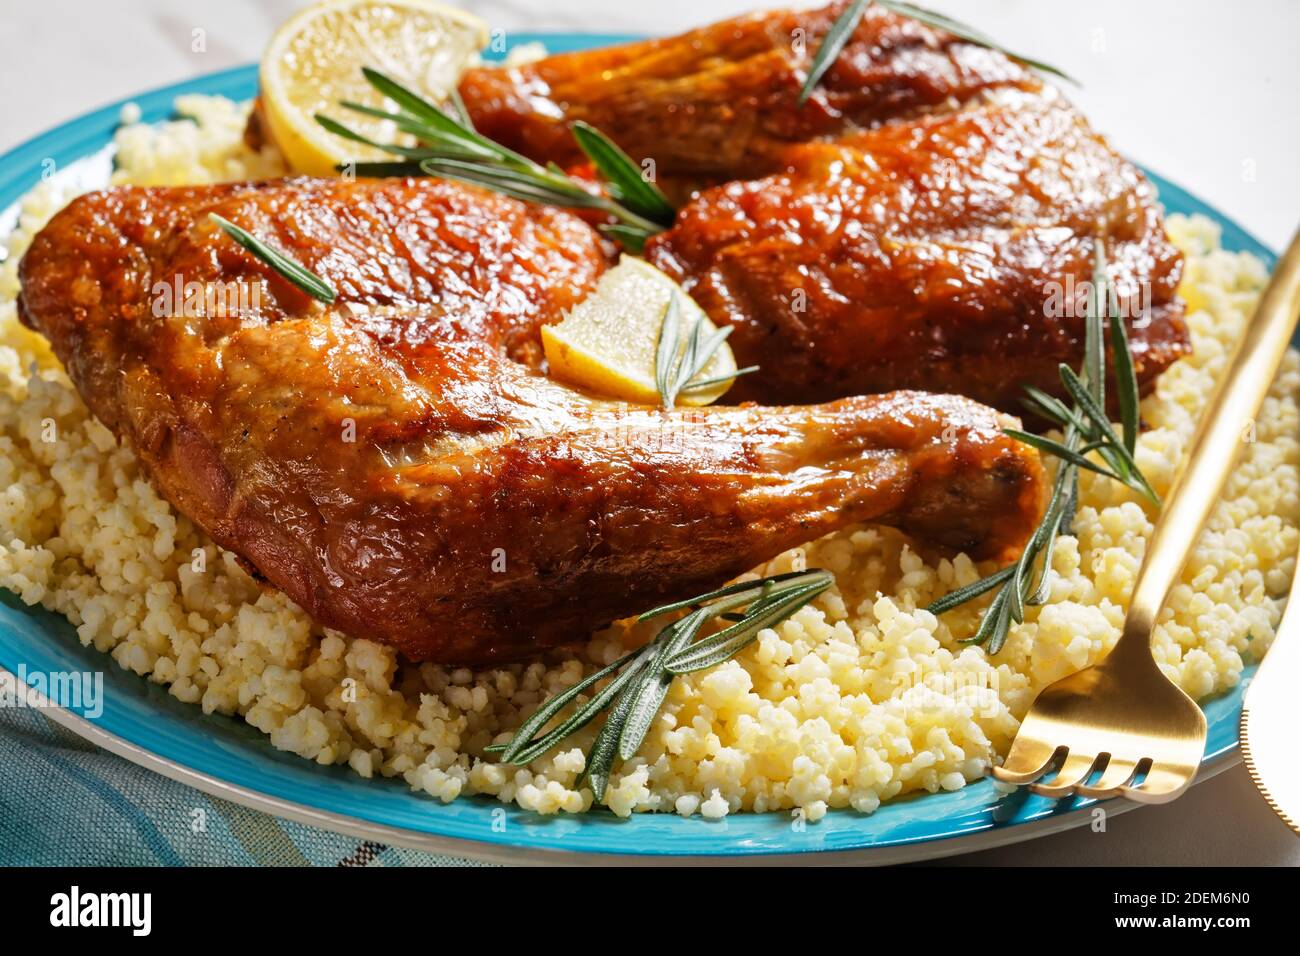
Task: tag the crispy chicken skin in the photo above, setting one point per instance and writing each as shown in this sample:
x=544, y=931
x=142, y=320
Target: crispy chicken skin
x=394, y=464
x=953, y=253
x=925, y=221
x=723, y=101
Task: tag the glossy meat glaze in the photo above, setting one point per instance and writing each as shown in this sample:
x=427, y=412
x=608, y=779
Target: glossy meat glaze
x=722, y=101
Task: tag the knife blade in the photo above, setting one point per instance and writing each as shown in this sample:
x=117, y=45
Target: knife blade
x=1270, y=719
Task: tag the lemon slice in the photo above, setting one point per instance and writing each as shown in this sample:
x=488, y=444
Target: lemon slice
x=315, y=60
x=609, y=341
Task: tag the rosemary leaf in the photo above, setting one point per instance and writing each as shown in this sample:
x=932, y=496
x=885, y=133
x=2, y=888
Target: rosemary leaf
x=703, y=383
x=623, y=177
x=685, y=367
x=543, y=715
x=417, y=107
x=338, y=129
x=1094, y=345
x=1052, y=408
x=996, y=625
x=1043, y=540
x=1144, y=487
x=458, y=108
x=831, y=46
x=1044, y=411
x=510, y=182
x=600, y=758
x=1021, y=586
x=1126, y=386
x=971, y=591
x=1060, y=451
x=294, y=272
x=1116, y=451
x=666, y=350
x=440, y=125
x=649, y=695
x=673, y=374
x=701, y=353
x=941, y=21
x=837, y=37
x=1087, y=403
x=1066, y=488
x=991, y=614
x=726, y=643
x=1071, y=501
x=791, y=578
x=437, y=142
x=631, y=238
x=970, y=34
x=584, y=714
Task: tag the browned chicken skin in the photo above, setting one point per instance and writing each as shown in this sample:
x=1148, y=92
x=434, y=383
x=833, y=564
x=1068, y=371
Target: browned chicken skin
x=396, y=467
x=926, y=220
x=722, y=102
x=952, y=254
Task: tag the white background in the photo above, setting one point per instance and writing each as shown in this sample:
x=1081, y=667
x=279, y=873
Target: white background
x=1201, y=91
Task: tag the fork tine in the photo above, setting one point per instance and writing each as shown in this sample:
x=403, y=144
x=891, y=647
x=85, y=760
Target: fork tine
x=1026, y=760
x=1076, y=769
x=1163, y=782
x=1117, y=774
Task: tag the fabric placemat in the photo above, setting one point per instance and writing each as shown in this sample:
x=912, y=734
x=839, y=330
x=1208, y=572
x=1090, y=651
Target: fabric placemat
x=65, y=802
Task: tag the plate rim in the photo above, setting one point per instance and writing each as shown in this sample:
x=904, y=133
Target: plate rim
x=95, y=128
x=485, y=851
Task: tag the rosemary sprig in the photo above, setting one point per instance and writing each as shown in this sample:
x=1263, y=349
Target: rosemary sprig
x=842, y=30
x=1086, y=429
x=624, y=180
x=639, y=681
x=450, y=148
x=299, y=275
x=680, y=355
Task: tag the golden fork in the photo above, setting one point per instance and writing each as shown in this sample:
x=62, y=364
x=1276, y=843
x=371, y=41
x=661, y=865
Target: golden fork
x=1122, y=717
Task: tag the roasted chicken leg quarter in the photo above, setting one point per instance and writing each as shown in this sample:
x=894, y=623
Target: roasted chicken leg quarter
x=722, y=102
x=396, y=463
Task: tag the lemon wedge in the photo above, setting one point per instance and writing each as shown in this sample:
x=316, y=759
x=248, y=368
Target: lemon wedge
x=315, y=60
x=609, y=341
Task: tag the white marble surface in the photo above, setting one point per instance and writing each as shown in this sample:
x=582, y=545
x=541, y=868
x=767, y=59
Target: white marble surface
x=1199, y=90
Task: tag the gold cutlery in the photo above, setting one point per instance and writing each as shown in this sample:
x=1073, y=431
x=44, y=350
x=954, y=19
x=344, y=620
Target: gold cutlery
x=1269, y=718
x=1122, y=717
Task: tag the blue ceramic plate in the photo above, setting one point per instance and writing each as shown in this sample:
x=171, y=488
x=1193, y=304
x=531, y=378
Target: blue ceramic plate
x=228, y=758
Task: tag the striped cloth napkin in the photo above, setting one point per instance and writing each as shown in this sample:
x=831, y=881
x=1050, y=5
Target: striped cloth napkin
x=64, y=802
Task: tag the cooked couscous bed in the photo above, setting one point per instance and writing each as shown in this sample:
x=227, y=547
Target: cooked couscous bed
x=860, y=697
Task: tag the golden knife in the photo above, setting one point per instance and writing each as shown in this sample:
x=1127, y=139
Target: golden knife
x=1270, y=719
x=1270, y=713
